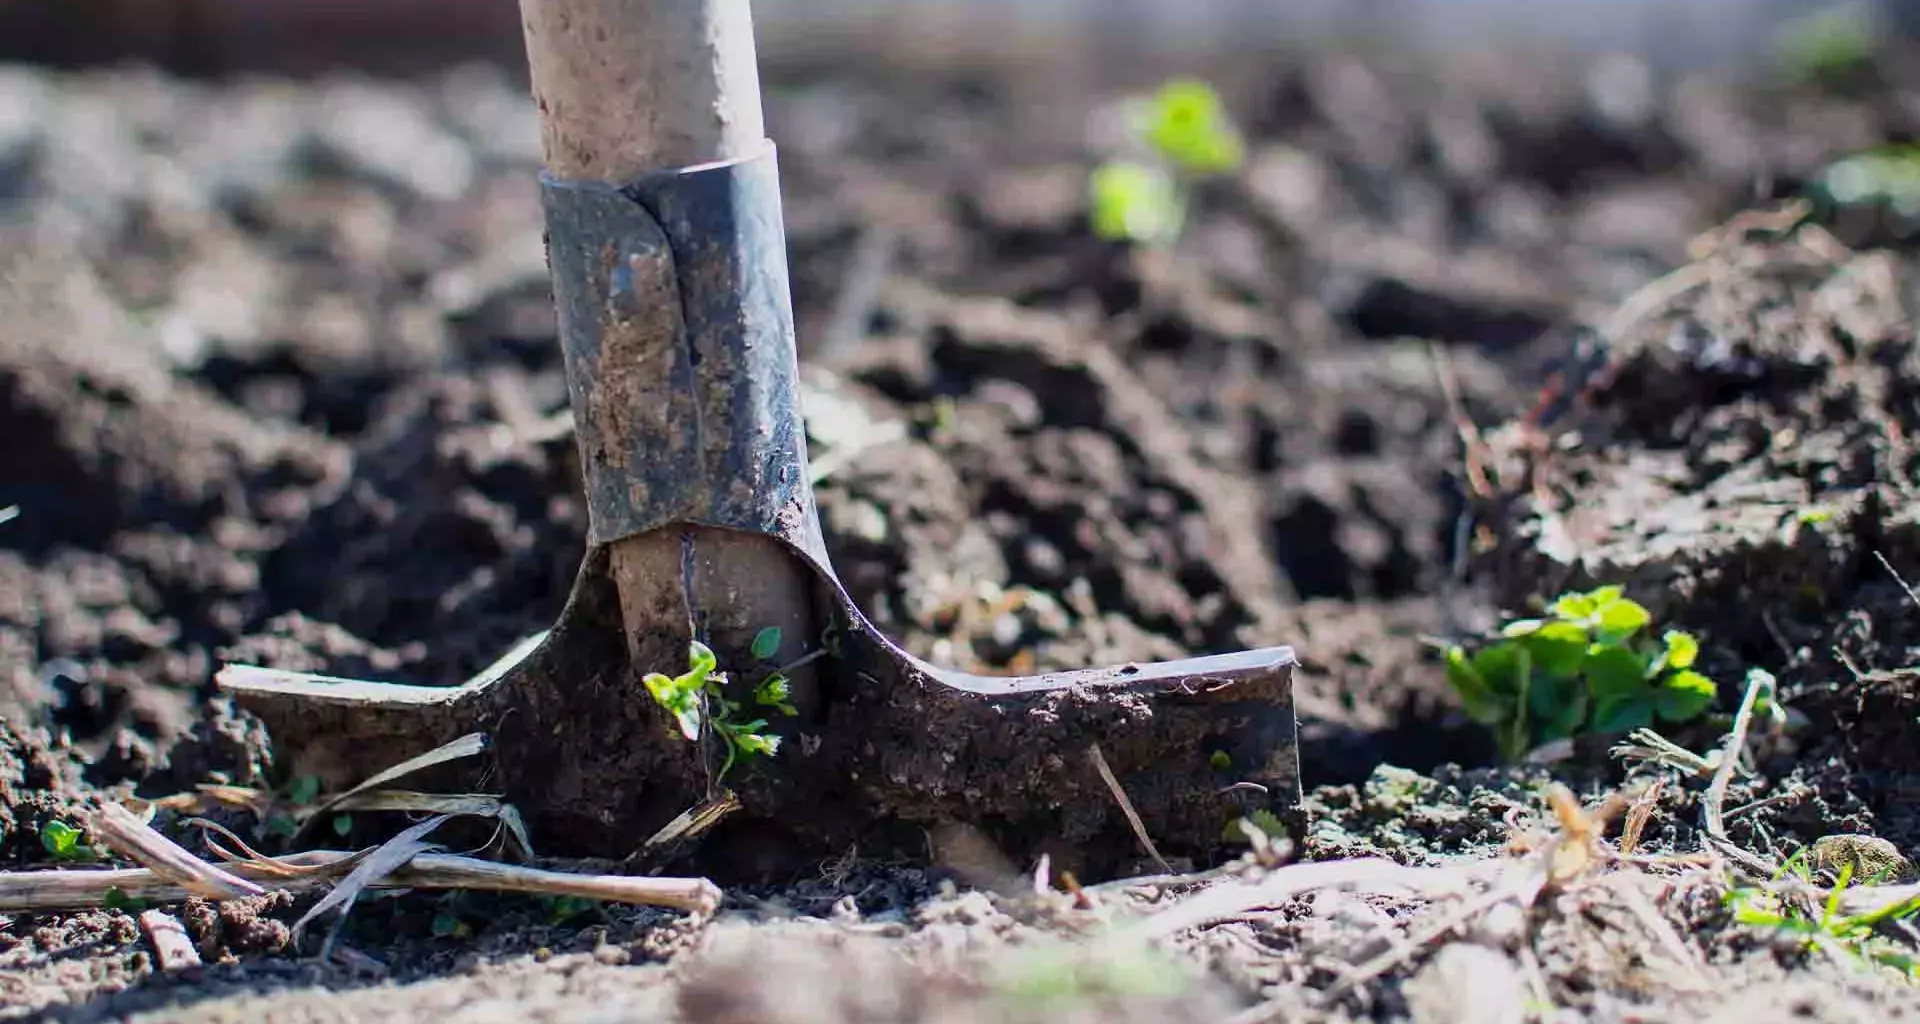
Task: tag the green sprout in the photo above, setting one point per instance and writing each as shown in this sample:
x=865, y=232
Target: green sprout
x=696, y=699
x=1852, y=937
x=1586, y=668
x=1186, y=128
x=1885, y=177
x=62, y=843
x=1829, y=47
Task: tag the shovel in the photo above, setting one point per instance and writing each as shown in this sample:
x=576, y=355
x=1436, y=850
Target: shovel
x=668, y=261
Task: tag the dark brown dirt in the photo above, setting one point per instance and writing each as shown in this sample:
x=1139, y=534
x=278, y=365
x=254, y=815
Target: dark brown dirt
x=289, y=395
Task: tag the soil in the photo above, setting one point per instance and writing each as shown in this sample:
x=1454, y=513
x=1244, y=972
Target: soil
x=279, y=385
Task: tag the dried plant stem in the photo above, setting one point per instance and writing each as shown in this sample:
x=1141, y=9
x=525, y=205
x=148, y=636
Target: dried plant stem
x=134, y=839
x=38, y=891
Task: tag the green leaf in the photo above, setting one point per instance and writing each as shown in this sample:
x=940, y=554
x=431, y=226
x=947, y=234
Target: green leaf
x=753, y=743
x=304, y=790
x=1188, y=124
x=117, y=899
x=1615, y=672
x=1604, y=596
x=59, y=839
x=1549, y=696
x=1682, y=649
x=1571, y=715
x=342, y=824
x=1135, y=202
x=688, y=718
x=447, y=926
x=773, y=691
x=1521, y=627
x=1622, y=618
x=700, y=660
x=766, y=644
x=1499, y=666
x=1220, y=761
x=1684, y=695
x=665, y=691
x=1623, y=714
x=1476, y=698
x=1558, y=648
x=1575, y=607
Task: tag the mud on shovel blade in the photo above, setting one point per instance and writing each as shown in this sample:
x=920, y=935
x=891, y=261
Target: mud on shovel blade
x=676, y=326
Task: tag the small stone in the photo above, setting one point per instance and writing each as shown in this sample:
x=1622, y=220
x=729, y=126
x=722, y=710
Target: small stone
x=1466, y=983
x=612, y=956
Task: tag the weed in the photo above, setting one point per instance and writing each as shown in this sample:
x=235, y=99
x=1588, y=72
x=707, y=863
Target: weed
x=1586, y=668
x=1885, y=177
x=561, y=909
x=62, y=843
x=1829, y=47
x=1853, y=937
x=117, y=899
x=695, y=698
x=1186, y=129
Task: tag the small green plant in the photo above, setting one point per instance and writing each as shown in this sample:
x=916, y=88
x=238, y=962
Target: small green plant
x=117, y=899
x=561, y=909
x=696, y=699
x=1884, y=178
x=1830, y=47
x=1854, y=937
x=1186, y=129
x=1588, y=667
x=62, y=843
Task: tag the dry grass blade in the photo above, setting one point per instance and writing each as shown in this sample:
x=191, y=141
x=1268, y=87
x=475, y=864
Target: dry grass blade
x=136, y=840
x=250, y=856
x=388, y=858
x=476, y=805
x=1713, y=811
x=1229, y=900
x=469, y=745
x=31, y=892
x=1638, y=815
x=1126, y=807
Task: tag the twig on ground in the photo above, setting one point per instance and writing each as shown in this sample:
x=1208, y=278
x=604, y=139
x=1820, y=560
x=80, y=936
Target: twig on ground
x=173, y=948
x=1126, y=806
x=1713, y=808
x=1372, y=874
x=137, y=841
x=1638, y=814
x=29, y=892
x=1897, y=578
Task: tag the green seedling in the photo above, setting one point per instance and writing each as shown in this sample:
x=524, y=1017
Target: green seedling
x=1261, y=819
x=62, y=843
x=1853, y=937
x=561, y=909
x=1186, y=128
x=117, y=899
x=1886, y=177
x=1829, y=47
x=1586, y=668
x=697, y=701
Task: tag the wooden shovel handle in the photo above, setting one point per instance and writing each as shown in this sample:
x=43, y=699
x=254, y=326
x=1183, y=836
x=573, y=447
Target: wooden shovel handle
x=630, y=86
